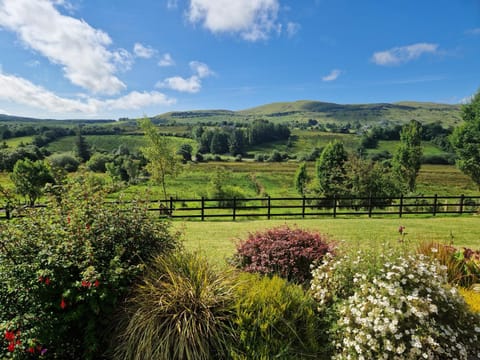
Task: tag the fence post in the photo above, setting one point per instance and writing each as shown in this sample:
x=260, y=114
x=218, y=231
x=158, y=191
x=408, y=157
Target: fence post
x=268, y=207
x=171, y=206
x=370, y=206
x=462, y=198
x=203, y=208
x=334, y=206
x=234, y=207
x=303, y=207
x=435, y=200
x=400, y=210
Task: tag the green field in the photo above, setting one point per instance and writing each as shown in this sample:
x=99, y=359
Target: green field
x=217, y=239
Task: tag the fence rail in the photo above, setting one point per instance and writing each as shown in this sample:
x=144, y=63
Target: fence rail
x=306, y=207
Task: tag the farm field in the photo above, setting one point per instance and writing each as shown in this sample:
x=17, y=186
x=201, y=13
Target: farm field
x=217, y=239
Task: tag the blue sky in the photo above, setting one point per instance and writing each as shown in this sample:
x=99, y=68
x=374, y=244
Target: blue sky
x=129, y=58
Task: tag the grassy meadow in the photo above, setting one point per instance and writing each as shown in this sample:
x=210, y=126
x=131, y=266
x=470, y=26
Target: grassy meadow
x=217, y=239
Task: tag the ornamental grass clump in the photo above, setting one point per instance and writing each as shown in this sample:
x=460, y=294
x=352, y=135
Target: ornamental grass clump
x=404, y=309
x=283, y=251
x=182, y=309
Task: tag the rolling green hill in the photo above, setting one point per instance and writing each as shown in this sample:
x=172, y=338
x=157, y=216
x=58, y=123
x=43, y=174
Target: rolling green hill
x=324, y=112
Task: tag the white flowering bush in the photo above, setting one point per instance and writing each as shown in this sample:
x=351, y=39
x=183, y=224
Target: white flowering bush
x=402, y=308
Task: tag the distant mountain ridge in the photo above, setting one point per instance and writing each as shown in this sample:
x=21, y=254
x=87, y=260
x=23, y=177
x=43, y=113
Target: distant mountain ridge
x=302, y=110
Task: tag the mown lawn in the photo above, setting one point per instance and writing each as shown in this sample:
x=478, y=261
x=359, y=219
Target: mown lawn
x=217, y=239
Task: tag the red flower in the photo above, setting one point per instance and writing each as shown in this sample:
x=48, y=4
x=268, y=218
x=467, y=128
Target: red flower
x=86, y=283
x=47, y=281
x=63, y=303
x=11, y=346
x=68, y=219
x=96, y=283
x=31, y=350
x=401, y=229
x=40, y=278
x=9, y=336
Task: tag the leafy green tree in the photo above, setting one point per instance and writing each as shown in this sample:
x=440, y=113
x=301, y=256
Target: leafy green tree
x=466, y=140
x=407, y=158
x=331, y=171
x=236, y=142
x=219, y=144
x=30, y=177
x=82, y=149
x=160, y=153
x=185, y=151
x=301, y=179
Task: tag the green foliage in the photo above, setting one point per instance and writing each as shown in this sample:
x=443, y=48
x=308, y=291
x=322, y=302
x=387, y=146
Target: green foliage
x=160, y=153
x=395, y=308
x=97, y=162
x=64, y=269
x=301, y=179
x=466, y=140
x=185, y=151
x=64, y=161
x=82, y=149
x=274, y=320
x=407, y=158
x=182, y=309
x=30, y=177
x=330, y=169
x=220, y=189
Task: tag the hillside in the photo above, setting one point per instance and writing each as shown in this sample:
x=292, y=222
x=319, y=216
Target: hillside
x=323, y=112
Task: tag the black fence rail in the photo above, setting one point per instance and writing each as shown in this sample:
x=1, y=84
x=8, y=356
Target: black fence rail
x=302, y=207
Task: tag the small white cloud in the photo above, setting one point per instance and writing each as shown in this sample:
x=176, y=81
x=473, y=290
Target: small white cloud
x=292, y=29
x=201, y=69
x=166, y=60
x=403, y=54
x=475, y=31
x=33, y=63
x=334, y=74
x=177, y=83
x=253, y=19
x=466, y=100
x=142, y=51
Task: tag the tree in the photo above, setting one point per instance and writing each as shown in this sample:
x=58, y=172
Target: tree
x=407, y=158
x=301, y=179
x=331, y=172
x=160, y=153
x=466, y=140
x=30, y=177
x=185, y=151
x=82, y=149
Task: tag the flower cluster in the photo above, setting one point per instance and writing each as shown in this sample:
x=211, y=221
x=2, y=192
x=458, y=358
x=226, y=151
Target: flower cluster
x=402, y=310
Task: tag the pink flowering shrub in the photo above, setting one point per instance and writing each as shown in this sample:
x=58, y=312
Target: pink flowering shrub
x=284, y=251
x=65, y=269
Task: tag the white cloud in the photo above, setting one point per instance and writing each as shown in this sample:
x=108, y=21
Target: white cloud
x=334, y=74
x=252, y=19
x=292, y=29
x=475, y=31
x=403, y=54
x=80, y=49
x=201, y=69
x=166, y=60
x=21, y=91
x=193, y=84
x=142, y=51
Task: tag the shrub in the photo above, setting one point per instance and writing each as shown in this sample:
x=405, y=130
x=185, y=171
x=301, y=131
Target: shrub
x=284, y=251
x=274, y=320
x=472, y=298
x=65, y=268
x=98, y=162
x=65, y=161
x=403, y=309
x=463, y=266
x=181, y=310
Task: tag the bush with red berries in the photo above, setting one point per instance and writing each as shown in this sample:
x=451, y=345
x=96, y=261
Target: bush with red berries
x=284, y=251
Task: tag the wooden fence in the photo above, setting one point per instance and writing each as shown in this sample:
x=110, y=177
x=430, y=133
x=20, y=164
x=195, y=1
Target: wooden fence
x=303, y=207
x=308, y=207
